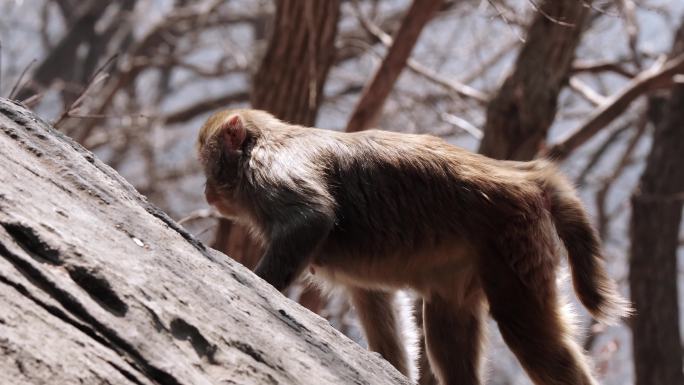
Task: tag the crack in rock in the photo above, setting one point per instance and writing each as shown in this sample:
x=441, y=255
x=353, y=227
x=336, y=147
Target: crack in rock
x=29, y=240
x=110, y=337
x=99, y=289
x=256, y=354
x=182, y=330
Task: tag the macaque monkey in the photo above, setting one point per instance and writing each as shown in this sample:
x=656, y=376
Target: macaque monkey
x=378, y=211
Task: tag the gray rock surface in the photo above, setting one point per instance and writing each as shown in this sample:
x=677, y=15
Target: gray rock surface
x=97, y=286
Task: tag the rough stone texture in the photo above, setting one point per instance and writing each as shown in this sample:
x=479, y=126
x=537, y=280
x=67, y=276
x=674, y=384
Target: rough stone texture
x=98, y=286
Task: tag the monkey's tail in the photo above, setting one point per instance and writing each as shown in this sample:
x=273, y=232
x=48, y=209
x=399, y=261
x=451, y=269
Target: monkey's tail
x=594, y=288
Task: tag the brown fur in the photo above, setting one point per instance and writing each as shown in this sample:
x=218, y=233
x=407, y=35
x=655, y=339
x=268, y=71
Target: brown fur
x=378, y=211
x=381, y=326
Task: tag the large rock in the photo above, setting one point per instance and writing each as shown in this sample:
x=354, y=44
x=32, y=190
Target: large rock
x=99, y=286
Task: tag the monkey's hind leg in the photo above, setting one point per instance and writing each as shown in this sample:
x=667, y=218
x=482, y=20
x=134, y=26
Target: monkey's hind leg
x=381, y=326
x=425, y=376
x=531, y=322
x=454, y=336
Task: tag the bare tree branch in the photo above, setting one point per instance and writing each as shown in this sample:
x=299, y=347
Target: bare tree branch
x=601, y=66
x=416, y=67
x=207, y=105
x=94, y=79
x=586, y=91
x=657, y=77
x=462, y=124
x=373, y=98
x=602, y=149
x=627, y=9
x=624, y=161
x=487, y=64
x=20, y=79
x=59, y=63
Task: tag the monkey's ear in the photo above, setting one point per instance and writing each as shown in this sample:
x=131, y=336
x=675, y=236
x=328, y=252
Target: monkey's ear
x=233, y=133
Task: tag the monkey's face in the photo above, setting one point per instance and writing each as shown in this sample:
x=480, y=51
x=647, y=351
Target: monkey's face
x=220, y=149
x=222, y=202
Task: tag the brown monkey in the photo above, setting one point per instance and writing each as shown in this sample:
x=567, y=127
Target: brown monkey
x=377, y=211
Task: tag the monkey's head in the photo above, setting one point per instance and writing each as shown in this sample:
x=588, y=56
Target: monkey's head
x=222, y=151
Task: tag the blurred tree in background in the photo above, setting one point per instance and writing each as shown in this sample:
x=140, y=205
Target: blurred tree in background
x=596, y=85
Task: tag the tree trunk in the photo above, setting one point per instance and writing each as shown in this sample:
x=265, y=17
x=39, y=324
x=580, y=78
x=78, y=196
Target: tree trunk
x=290, y=80
x=374, y=95
x=519, y=116
x=656, y=218
x=289, y=84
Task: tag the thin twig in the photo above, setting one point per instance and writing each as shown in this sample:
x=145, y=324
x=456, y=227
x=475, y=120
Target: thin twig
x=94, y=79
x=608, y=182
x=189, y=112
x=204, y=231
x=33, y=99
x=586, y=91
x=549, y=17
x=591, y=6
x=451, y=85
x=602, y=149
x=20, y=79
x=94, y=116
x=485, y=65
x=419, y=68
x=462, y=124
x=627, y=9
x=508, y=22
x=601, y=66
x=206, y=213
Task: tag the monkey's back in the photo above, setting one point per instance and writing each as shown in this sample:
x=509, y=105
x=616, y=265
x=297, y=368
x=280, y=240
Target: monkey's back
x=407, y=193
x=394, y=199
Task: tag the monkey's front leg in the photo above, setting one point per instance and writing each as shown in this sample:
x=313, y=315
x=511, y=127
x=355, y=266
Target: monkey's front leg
x=380, y=323
x=291, y=245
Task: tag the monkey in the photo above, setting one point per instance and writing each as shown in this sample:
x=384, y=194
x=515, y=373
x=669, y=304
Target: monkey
x=378, y=211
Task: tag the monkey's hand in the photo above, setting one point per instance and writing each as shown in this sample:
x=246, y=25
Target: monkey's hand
x=292, y=245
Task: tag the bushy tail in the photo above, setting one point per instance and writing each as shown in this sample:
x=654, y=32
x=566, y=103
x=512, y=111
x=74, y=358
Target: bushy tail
x=597, y=292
